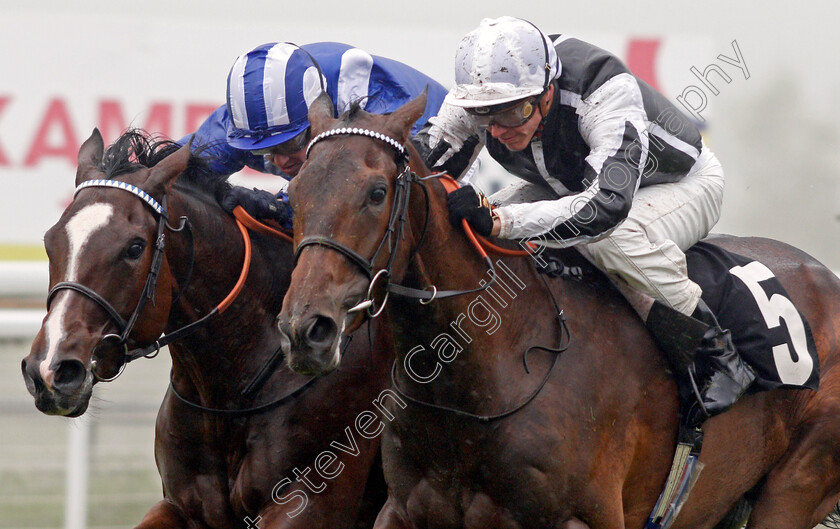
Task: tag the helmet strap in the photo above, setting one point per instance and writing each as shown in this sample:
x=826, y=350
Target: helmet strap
x=544, y=106
x=547, y=66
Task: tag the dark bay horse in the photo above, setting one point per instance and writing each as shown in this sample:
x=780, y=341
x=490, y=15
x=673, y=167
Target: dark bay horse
x=288, y=452
x=476, y=443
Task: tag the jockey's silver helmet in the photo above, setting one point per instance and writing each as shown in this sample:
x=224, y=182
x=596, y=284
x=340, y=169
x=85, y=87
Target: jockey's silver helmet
x=503, y=60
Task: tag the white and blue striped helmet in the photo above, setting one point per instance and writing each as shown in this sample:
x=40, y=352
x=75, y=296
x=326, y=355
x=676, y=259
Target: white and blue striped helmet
x=269, y=92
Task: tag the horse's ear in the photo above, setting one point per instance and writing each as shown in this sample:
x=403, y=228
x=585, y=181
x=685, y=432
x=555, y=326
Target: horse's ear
x=90, y=154
x=321, y=114
x=403, y=118
x=164, y=173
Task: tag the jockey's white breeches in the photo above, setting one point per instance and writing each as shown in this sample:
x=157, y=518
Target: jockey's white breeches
x=646, y=249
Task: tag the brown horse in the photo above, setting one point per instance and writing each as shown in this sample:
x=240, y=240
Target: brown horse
x=287, y=450
x=477, y=441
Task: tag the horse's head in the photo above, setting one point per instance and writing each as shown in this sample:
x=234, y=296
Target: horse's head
x=349, y=201
x=101, y=253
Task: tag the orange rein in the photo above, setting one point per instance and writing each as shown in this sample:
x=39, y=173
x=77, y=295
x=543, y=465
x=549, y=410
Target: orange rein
x=243, y=222
x=481, y=243
x=250, y=222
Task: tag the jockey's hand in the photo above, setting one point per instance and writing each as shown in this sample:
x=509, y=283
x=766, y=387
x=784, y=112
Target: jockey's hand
x=466, y=203
x=259, y=204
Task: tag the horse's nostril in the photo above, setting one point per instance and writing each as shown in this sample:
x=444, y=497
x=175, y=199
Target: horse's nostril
x=31, y=378
x=322, y=331
x=69, y=374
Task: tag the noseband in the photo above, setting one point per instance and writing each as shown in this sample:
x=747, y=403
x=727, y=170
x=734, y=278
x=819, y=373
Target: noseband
x=394, y=233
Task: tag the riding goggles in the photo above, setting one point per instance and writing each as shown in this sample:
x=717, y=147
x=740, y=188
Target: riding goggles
x=507, y=116
x=287, y=148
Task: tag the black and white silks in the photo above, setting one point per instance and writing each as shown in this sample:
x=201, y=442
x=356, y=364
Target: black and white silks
x=607, y=134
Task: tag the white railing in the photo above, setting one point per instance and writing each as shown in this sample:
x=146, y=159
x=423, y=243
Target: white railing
x=30, y=279
x=22, y=279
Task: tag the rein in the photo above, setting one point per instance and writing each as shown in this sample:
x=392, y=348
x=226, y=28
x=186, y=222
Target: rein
x=124, y=327
x=243, y=222
x=483, y=245
x=150, y=351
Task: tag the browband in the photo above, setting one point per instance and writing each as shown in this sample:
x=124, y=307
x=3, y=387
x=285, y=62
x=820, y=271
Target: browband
x=134, y=190
x=358, y=132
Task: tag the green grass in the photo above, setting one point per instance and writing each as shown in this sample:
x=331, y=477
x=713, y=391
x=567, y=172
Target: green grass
x=124, y=482
x=115, y=498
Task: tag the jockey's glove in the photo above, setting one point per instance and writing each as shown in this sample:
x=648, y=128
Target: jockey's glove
x=466, y=203
x=259, y=204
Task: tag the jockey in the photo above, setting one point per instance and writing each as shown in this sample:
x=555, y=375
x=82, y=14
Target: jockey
x=606, y=164
x=265, y=123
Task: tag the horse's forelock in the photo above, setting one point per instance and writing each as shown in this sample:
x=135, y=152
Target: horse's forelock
x=354, y=110
x=137, y=149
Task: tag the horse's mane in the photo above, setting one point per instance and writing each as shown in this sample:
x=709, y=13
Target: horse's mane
x=137, y=149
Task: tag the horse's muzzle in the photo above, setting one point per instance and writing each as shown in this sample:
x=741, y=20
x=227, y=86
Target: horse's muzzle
x=66, y=393
x=311, y=344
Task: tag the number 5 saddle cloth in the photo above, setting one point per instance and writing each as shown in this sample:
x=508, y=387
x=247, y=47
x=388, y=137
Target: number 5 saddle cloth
x=771, y=335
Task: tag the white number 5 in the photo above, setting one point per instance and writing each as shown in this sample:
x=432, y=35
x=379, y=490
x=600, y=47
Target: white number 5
x=775, y=308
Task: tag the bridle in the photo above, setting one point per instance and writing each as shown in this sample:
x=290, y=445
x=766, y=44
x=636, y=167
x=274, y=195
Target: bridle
x=120, y=341
x=396, y=230
x=124, y=326
x=394, y=233
x=244, y=222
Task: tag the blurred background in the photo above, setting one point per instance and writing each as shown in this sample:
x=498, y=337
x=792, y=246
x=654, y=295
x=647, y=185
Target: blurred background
x=67, y=67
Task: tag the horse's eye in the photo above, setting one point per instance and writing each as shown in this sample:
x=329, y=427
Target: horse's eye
x=377, y=195
x=135, y=249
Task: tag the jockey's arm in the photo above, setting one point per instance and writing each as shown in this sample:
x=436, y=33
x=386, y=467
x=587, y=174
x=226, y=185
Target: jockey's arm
x=612, y=122
x=450, y=142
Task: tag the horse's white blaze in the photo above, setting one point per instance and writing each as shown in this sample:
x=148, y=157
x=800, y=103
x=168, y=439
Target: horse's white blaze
x=80, y=229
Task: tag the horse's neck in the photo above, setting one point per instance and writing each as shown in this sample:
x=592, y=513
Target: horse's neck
x=487, y=331
x=217, y=256
x=467, y=351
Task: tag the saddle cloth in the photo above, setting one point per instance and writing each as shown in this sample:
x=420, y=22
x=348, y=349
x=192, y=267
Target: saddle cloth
x=771, y=335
